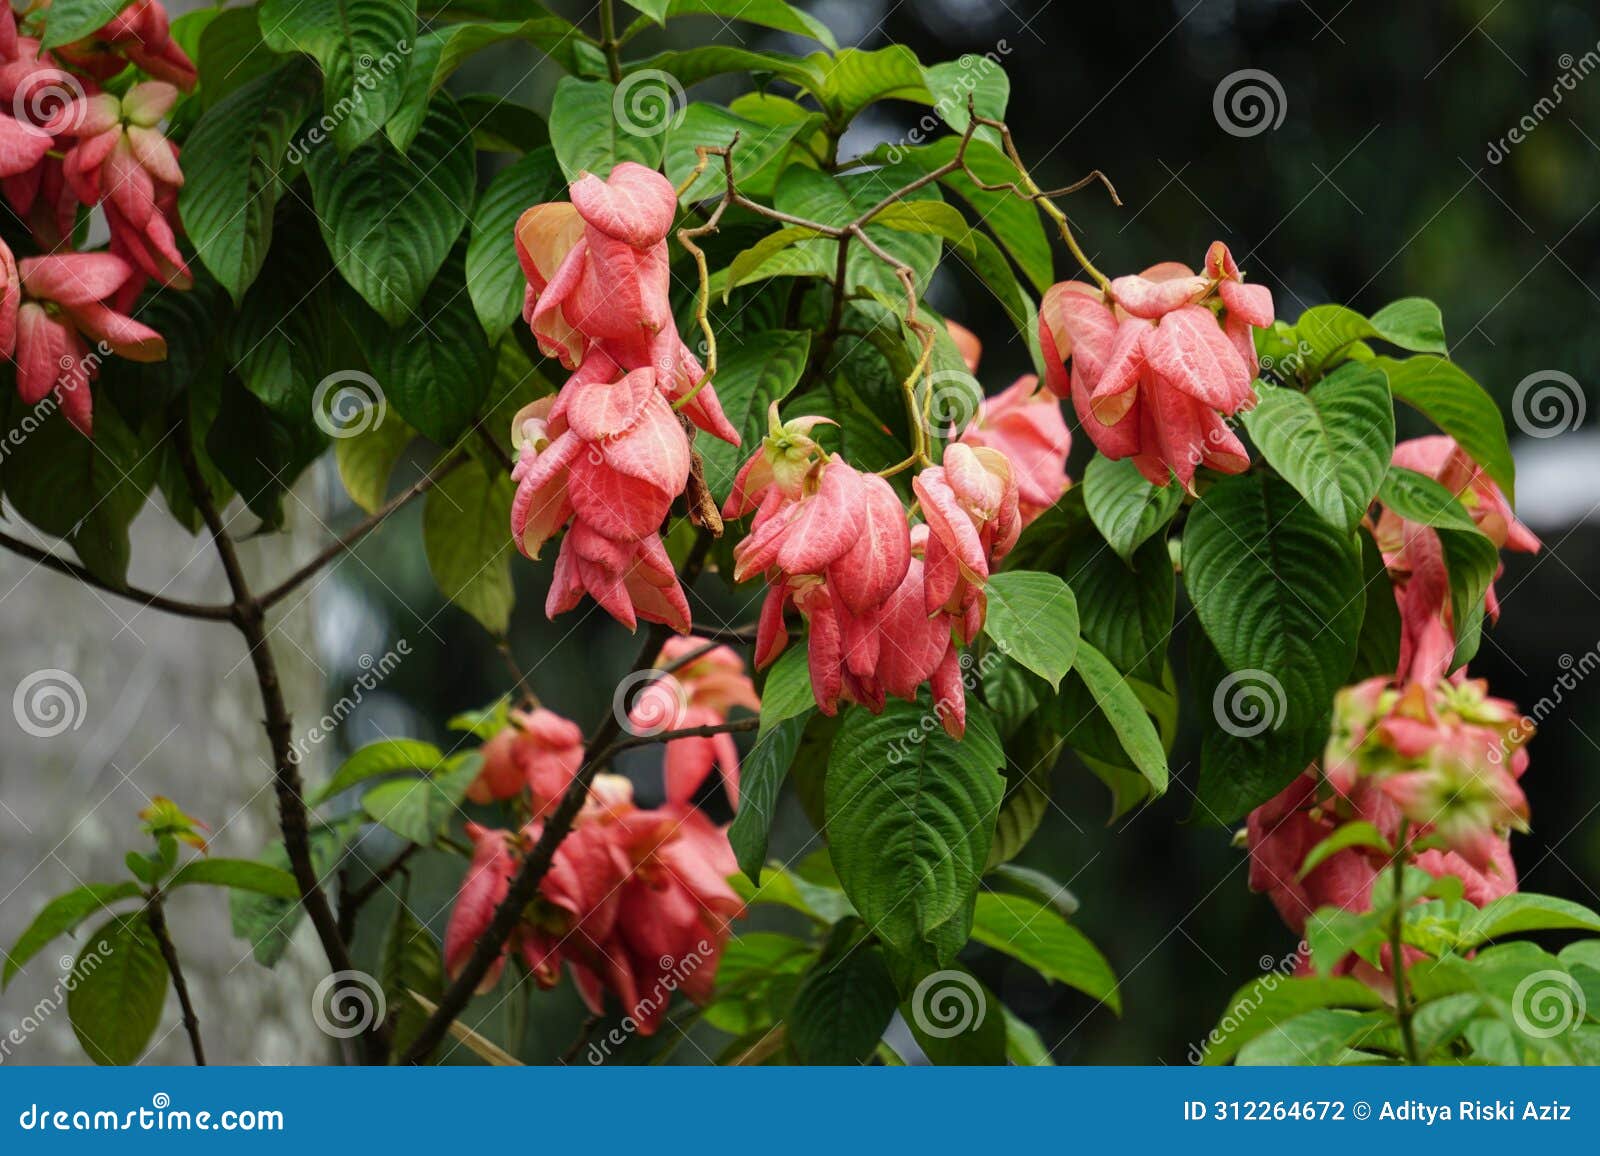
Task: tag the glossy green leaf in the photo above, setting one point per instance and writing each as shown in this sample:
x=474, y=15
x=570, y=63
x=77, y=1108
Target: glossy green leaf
x=1036, y=934
x=1458, y=405
x=115, y=1005
x=240, y=874
x=1125, y=508
x=761, y=775
x=60, y=916
x=761, y=369
x=494, y=275
x=1033, y=619
x=418, y=809
x=464, y=536
x=592, y=131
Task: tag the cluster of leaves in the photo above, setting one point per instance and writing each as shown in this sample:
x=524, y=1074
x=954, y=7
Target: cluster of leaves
x=1482, y=997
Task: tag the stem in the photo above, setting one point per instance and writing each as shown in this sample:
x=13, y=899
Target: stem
x=358, y=532
x=609, y=42
x=157, y=918
x=216, y=613
x=1404, y=1009
x=352, y=901
x=721, y=728
x=292, y=817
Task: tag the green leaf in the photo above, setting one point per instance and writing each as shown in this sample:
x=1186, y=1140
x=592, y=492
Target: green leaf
x=269, y=922
x=1378, y=647
x=74, y=19
x=1412, y=323
x=749, y=265
x=773, y=14
x=60, y=916
x=978, y=78
x=1278, y=591
x=1033, y=751
x=1272, y=1000
x=232, y=53
x=955, y=1019
x=1457, y=404
x=760, y=370
x=418, y=809
x=1037, y=935
x=233, y=171
x=1117, y=702
x=591, y=135
x=655, y=9
x=756, y=981
x=787, y=691
x=910, y=816
x=1319, y=1037
x=259, y=451
x=710, y=125
x=384, y=757
x=116, y=1006
x=1033, y=618
x=1419, y=498
x=412, y=962
x=390, y=220
x=366, y=460
x=855, y=78
x=843, y=1004
x=363, y=47
x=1125, y=609
x=1514, y=914
x=761, y=775
x=692, y=65
x=464, y=536
x=1024, y=1048
x=837, y=201
x=240, y=874
x=1332, y=444
x=494, y=275
x=1124, y=507
x=1358, y=833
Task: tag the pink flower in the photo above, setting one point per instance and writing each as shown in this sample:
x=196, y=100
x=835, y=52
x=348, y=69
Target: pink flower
x=1025, y=424
x=597, y=271
x=30, y=85
x=702, y=694
x=971, y=507
x=140, y=35
x=539, y=752
x=1415, y=556
x=1155, y=370
x=48, y=306
x=487, y=881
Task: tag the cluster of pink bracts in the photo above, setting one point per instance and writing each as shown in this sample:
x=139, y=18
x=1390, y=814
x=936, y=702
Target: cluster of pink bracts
x=1157, y=361
x=1436, y=756
x=608, y=453
x=636, y=901
x=63, y=144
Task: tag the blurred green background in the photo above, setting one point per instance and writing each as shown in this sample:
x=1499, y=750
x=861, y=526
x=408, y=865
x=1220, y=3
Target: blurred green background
x=1378, y=183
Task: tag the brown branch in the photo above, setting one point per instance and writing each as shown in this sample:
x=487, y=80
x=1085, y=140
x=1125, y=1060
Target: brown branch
x=359, y=531
x=351, y=901
x=157, y=918
x=292, y=816
x=731, y=726
x=215, y=613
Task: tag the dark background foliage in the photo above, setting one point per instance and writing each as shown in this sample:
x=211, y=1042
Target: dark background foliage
x=1377, y=184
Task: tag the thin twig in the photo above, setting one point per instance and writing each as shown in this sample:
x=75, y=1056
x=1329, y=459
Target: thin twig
x=352, y=901
x=722, y=728
x=156, y=917
x=215, y=613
